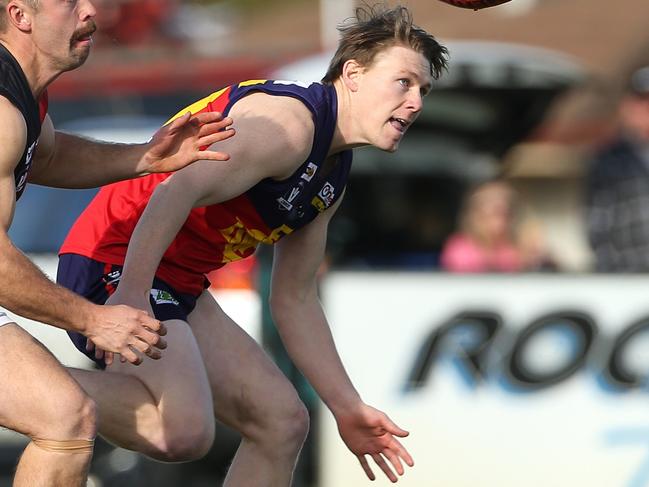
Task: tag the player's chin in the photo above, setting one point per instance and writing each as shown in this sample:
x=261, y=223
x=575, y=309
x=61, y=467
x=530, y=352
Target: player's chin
x=389, y=145
x=76, y=59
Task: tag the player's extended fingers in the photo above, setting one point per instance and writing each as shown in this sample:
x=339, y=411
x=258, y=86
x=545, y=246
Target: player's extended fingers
x=400, y=450
x=215, y=126
x=179, y=122
x=394, y=460
x=380, y=461
x=213, y=138
x=203, y=118
x=109, y=358
x=366, y=467
x=211, y=155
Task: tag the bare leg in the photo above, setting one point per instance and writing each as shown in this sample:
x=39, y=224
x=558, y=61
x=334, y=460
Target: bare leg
x=41, y=400
x=140, y=406
x=252, y=396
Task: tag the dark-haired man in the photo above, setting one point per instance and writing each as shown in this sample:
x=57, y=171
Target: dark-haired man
x=617, y=186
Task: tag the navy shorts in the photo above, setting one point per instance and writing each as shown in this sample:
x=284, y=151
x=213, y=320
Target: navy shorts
x=96, y=281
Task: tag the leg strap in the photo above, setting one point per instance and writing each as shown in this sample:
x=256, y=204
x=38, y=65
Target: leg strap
x=65, y=446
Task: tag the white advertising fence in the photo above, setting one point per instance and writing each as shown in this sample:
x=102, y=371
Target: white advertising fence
x=502, y=380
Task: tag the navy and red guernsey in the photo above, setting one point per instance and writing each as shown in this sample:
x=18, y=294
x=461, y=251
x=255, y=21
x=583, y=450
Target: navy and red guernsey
x=217, y=234
x=14, y=87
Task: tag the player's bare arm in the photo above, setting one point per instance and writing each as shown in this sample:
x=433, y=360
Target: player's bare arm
x=117, y=328
x=294, y=299
x=274, y=136
x=70, y=161
x=12, y=139
x=307, y=337
x=22, y=280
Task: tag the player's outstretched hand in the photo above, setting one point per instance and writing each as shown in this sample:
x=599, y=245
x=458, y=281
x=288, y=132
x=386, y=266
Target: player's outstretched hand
x=368, y=431
x=182, y=141
x=130, y=332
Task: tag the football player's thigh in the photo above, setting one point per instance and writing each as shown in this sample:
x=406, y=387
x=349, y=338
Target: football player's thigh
x=179, y=374
x=35, y=389
x=246, y=384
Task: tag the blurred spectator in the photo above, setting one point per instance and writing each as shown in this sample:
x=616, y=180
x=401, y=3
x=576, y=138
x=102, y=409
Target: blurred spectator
x=493, y=236
x=617, y=186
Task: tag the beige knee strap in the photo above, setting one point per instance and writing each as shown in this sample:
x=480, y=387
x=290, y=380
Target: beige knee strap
x=65, y=446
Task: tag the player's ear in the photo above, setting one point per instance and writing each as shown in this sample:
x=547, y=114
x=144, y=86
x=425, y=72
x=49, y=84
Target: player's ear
x=350, y=74
x=20, y=15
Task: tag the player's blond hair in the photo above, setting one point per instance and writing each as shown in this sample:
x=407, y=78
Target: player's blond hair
x=375, y=29
x=3, y=13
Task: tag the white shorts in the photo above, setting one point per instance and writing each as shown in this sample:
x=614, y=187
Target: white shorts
x=4, y=319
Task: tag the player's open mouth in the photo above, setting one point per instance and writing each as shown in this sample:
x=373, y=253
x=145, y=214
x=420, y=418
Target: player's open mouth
x=400, y=124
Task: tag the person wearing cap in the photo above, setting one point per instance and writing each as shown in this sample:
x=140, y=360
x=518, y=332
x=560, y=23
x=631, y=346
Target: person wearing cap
x=617, y=186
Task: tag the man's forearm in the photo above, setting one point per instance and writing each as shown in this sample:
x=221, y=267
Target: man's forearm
x=164, y=215
x=307, y=337
x=89, y=163
x=28, y=292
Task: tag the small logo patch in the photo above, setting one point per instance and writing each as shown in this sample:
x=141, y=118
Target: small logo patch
x=327, y=194
x=163, y=297
x=309, y=172
x=113, y=277
x=286, y=201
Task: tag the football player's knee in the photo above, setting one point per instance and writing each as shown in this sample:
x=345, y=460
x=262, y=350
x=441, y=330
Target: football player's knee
x=70, y=418
x=286, y=428
x=294, y=424
x=84, y=417
x=190, y=439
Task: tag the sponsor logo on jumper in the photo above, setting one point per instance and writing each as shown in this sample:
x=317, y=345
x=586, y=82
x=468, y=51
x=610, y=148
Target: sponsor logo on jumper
x=284, y=205
x=286, y=201
x=327, y=194
x=310, y=171
x=163, y=297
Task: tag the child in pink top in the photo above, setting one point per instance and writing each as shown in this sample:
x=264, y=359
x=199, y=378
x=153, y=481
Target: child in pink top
x=488, y=240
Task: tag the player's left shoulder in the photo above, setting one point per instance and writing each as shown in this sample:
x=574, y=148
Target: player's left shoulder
x=285, y=111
